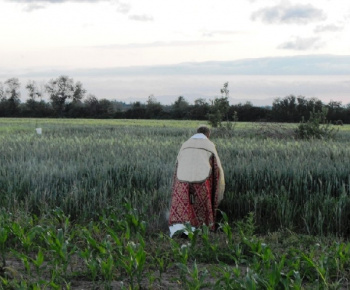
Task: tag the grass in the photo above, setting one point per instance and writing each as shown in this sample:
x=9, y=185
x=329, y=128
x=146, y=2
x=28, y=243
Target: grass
x=301, y=185
x=86, y=202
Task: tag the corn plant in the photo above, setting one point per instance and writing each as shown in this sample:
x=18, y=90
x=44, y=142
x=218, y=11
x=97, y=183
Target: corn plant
x=193, y=278
x=229, y=277
x=61, y=248
x=209, y=249
x=235, y=250
x=26, y=237
x=3, y=247
x=93, y=255
x=25, y=261
x=161, y=258
x=133, y=261
x=91, y=262
x=314, y=269
x=107, y=269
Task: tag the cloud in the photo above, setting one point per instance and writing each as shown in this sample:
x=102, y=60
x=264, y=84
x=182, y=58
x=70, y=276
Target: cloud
x=218, y=32
x=287, y=13
x=143, y=18
x=347, y=15
x=123, y=8
x=328, y=28
x=32, y=5
x=161, y=44
x=313, y=65
x=302, y=44
x=54, y=1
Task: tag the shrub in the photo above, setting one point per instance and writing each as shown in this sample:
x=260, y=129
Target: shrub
x=225, y=129
x=316, y=127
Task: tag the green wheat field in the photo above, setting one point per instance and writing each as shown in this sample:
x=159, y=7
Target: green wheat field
x=84, y=206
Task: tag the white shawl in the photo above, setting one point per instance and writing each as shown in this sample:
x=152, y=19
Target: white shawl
x=194, y=162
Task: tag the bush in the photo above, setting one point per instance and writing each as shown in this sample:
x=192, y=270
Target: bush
x=225, y=129
x=316, y=127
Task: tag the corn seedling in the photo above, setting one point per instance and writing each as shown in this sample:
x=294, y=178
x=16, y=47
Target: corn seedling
x=3, y=247
x=193, y=278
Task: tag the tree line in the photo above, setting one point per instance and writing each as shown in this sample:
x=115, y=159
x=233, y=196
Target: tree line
x=68, y=99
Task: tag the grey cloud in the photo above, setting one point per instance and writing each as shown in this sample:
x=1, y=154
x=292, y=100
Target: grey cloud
x=143, y=18
x=328, y=28
x=302, y=44
x=287, y=13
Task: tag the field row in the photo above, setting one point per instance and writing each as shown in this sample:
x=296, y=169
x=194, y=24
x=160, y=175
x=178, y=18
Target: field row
x=85, y=167
x=117, y=252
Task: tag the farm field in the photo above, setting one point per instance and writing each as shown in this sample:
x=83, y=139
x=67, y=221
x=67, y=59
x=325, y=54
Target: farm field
x=84, y=206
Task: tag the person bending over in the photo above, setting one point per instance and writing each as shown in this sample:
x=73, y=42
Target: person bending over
x=198, y=183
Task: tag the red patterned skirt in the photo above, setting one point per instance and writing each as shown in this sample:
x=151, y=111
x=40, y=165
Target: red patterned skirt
x=195, y=203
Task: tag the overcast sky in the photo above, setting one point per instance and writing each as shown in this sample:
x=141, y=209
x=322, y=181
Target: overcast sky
x=86, y=34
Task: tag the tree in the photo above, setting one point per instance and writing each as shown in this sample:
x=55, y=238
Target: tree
x=33, y=90
x=315, y=104
x=285, y=110
x=2, y=92
x=335, y=111
x=12, y=90
x=302, y=107
x=10, y=97
x=153, y=108
x=78, y=93
x=137, y=111
x=62, y=89
x=32, y=105
x=180, y=108
x=106, y=109
x=219, y=108
x=2, y=101
x=247, y=112
x=200, y=109
x=225, y=90
x=91, y=105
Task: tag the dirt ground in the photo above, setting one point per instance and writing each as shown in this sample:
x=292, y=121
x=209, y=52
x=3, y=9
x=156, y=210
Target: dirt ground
x=170, y=279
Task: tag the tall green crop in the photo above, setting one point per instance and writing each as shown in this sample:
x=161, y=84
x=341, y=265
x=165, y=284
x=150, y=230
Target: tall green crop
x=87, y=167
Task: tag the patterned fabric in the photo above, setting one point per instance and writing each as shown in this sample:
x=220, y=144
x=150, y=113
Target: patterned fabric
x=195, y=203
x=194, y=163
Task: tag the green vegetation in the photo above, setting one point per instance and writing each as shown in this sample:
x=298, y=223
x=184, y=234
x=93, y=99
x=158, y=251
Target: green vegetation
x=120, y=251
x=316, y=127
x=86, y=202
x=64, y=98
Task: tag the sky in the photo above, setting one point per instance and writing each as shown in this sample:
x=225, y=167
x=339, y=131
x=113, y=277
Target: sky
x=39, y=38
